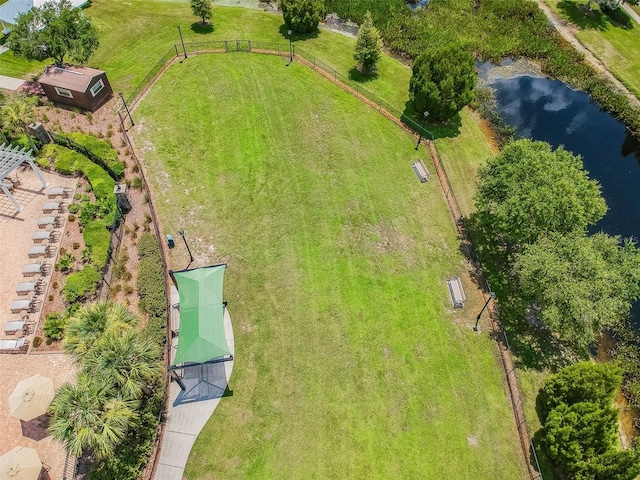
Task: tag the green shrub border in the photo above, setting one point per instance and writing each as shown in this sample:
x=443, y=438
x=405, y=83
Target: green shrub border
x=115, y=169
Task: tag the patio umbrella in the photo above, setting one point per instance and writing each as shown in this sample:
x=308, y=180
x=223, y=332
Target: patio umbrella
x=20, y=464
x=31, y=397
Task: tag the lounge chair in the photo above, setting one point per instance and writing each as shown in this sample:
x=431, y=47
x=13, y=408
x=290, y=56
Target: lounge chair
x=13, y=327
x=12, y=345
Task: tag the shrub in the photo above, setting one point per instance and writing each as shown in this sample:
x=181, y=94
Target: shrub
x=75, y=246
x=81, y=284
x=63, y=159
x=137, y=183
x=97, y=238
x=74, y=207
x=98, y=150
x=71, y=217
x=65, y=262
x=54, y=326
x=302, y=16
x=443, y=81
x=151, y=285
x=37, y=341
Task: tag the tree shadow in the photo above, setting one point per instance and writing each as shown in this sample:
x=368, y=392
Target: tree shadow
x=595, y=19
x=357, y=76
x=283, y=29
x=446, y=129
x=202, y=28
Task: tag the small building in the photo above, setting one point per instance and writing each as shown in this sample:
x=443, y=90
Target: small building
x=82, y=87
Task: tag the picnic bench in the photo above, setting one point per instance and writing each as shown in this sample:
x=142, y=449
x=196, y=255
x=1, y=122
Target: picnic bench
x=456, y=292
x=421, y=171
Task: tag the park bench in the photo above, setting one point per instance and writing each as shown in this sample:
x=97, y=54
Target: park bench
x=421, y=171
x=456, y=292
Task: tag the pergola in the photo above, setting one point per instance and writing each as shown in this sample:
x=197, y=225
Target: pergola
x=10, y=160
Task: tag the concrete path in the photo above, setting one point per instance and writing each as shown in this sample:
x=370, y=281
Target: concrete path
x=190, y=410
x=632, y=13
x=10, y=83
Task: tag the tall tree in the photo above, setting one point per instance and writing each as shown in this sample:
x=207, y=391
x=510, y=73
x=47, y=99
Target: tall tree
x=368, y=46
x=90, y=322
x=578, y=285
x=529, y=190
x=54, y=30
x=302, y=16
x=202, y=9
x=442, y=82
x=86, y=416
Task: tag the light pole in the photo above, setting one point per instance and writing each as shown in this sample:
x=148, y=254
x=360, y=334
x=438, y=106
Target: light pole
x=181, y=233
x=492, y=296
x=424, y=120
x=126, y=108
x=182, y=41
x=289, y=32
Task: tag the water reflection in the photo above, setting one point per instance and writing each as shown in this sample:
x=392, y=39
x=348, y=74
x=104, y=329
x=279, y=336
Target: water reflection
x=548, y=110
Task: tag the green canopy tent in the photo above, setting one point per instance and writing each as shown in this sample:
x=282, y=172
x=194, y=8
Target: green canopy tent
x=201, y=337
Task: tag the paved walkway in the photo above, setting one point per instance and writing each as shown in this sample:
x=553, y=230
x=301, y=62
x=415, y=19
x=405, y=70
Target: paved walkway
x=190, y=410
x=632, y=13
x=10, y=83
x=33, y=434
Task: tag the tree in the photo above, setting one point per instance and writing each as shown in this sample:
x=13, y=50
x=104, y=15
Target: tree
x=529, y=190
x=17, y=115
x=368, y=46
x=443, y=81
x=581, y=382
x=90, y=322
x=578, y=285
x=124, y=360
x=55, y=30
x=203, y=9
x=86, y=416
x=302, y=16
x=580, y=429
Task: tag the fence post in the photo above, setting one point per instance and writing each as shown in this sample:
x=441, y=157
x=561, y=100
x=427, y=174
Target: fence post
x=237, y=45
x=314, y=62
x=226, y=46
x=176, y=47
x=197, y=48
x=249, y=45
x=335, y=76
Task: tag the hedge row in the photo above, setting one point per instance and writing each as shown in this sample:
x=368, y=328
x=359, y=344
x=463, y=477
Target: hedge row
x=99, y=151
x=96, y=233
x=81, y=284
x=151, y=286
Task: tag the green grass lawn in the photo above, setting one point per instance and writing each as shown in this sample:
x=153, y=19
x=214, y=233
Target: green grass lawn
x=349, y=360
x=616, y=46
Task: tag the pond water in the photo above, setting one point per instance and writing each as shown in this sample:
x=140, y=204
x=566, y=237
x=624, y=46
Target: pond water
x=548, y=110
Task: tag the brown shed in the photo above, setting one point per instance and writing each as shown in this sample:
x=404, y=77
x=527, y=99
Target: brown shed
x=81, y=87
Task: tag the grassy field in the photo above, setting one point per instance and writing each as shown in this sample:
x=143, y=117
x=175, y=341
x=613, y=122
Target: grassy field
x=349, y=361
x=616, y=46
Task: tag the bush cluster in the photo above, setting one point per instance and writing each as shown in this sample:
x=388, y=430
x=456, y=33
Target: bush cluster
x=81, y=284
x=99, y=151
x=151, y=285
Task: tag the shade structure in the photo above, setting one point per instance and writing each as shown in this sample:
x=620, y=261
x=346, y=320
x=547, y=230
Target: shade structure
x=21, y=463
x=202, y=336
x=31, y=397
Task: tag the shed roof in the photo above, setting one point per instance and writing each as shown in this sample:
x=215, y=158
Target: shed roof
x=72, y=77
x=10, y=11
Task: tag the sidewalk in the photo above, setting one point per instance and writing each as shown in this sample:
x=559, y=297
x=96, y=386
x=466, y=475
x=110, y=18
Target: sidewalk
x=10, y=83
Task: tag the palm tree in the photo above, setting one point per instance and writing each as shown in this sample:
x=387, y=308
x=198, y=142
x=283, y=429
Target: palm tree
x=125, y=360
x=92, y=321
x=17, y=115
x=86, y=417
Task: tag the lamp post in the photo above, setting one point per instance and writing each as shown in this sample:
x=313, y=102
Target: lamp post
x=289, y=32
x=492, y=296
x=126, y=108
x=182, y=41
x=424, y=121
x=181, y=233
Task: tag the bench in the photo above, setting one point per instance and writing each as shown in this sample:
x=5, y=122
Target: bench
x=421, y=171
x=456, y=292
